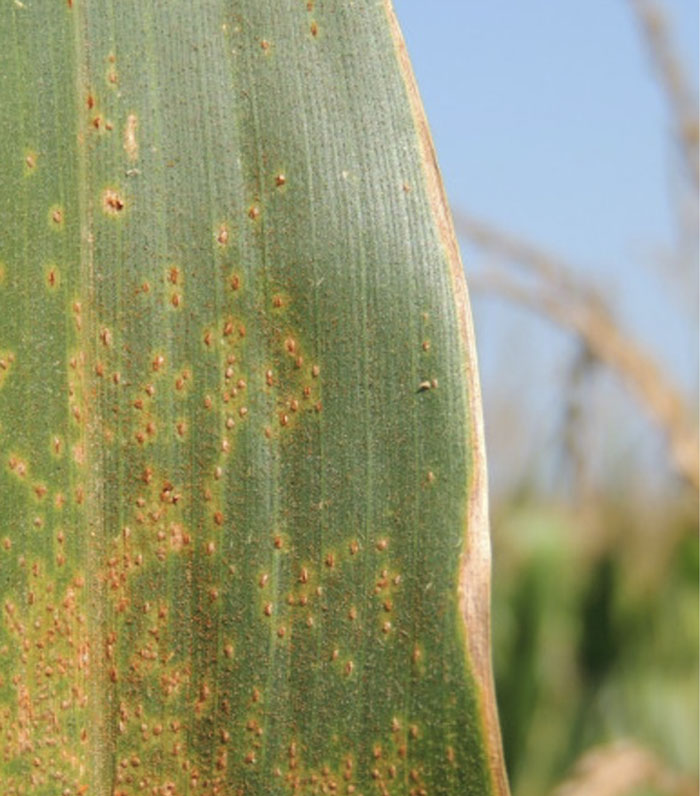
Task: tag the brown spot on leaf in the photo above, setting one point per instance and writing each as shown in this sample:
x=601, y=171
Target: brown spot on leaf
x=112, y=202
x=52, y=277
x=222, y=235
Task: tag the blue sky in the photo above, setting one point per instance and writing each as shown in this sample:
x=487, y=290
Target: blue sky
x=549, y=122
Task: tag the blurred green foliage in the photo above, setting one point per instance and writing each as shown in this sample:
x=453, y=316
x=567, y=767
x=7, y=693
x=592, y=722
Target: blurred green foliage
x=595, y=634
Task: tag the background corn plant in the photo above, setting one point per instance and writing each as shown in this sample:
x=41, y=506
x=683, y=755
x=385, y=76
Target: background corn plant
x=243, y=539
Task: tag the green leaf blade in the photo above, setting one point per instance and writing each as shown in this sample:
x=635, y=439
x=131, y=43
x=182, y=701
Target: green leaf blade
x=269, y=451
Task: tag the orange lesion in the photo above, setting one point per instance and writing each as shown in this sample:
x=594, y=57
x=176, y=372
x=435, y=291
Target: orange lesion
x=7, y=360
x=53, y=277
x=49, y=658
x=30, y=162
x=113, y=202
x=222, y=234
x=301, y=778
x=18, y=466
x=56, y=216
x=291, y=379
